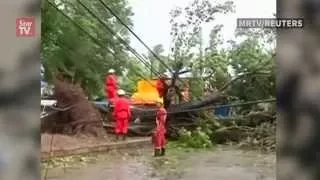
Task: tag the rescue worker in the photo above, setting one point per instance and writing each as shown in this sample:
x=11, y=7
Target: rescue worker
x=121, y=114
x=161, y=85
x=159, y=140
x=162, y=88
x=111, y=84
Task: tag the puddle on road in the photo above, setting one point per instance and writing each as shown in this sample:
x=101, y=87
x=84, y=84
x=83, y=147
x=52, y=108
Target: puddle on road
x=140, y=165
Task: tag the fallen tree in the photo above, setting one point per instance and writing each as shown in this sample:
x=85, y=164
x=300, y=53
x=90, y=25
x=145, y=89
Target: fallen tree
x=255, y=130
x=179, y=115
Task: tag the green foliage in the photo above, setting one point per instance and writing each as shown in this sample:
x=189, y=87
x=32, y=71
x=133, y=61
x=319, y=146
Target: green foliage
x=185, y=34
x=211, y=65
x=156, y=66
x=250, y=56
x=188, y=43
x=67, y=50
x=132, y=75
x=194, y=139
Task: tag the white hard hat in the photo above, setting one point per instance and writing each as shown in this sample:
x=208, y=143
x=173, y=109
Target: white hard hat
x=121, y=92
x=111, y=71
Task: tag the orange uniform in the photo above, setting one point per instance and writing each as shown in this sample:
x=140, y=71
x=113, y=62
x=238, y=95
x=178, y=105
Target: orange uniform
x=159, y=139
x=122, y=115
x=111, y=86
x=161, y=87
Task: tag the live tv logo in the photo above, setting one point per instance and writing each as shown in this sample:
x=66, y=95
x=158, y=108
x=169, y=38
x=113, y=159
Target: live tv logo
x=25, y=27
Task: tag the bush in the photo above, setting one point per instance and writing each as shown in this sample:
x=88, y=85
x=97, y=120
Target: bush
x=194, y=139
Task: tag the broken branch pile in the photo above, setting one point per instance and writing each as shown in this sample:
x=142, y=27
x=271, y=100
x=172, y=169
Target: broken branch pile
x=256, y=130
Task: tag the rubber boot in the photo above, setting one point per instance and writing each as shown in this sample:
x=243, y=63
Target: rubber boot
x=124, y=137
x=117, y=137
x=157, y=152
x=163, y=151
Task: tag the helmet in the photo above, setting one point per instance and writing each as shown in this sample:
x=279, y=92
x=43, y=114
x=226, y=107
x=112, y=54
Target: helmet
x=111, y=71
x=121, y=92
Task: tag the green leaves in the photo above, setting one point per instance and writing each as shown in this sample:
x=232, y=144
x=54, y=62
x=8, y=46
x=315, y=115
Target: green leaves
x=68, y=50
x=188, y=43
x=251, y=55
x=194, y=139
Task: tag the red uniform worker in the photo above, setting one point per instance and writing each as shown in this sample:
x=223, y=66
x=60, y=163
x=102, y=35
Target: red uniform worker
x=161, y=85
x=121, y=114
x=159, y=140
x=111, y=85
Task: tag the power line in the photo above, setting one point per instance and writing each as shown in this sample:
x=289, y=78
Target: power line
x=132, y=50
x=117, y=36
x=93, y=38
x=227, y=105
x=68, y=47
x=132, y=32
x=135, y=35
x=210, y=107
x=141, y=59
x=77, y=25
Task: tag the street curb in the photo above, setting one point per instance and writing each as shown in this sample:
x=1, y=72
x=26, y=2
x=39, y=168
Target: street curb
x=97, y=148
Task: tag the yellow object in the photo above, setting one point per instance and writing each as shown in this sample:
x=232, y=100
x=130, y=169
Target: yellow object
x=147, y=93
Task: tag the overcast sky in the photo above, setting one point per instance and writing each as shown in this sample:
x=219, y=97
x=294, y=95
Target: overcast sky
x=151, y=19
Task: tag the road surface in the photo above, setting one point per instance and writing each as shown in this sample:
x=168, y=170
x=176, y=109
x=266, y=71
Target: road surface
x=225, y=163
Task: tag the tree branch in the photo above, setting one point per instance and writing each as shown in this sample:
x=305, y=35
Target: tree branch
x=226, y=85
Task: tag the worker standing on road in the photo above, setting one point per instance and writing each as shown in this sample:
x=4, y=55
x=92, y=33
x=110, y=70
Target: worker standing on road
x=111, y=84
x=158, y=138
x=161, y=85
x=121, y=114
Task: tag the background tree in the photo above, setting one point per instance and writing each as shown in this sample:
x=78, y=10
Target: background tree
x=254, y=55
x=216, y=61
x=154, y=63
x=67, y=50
x=213, y=66
x=187, y=37
x=135, y=72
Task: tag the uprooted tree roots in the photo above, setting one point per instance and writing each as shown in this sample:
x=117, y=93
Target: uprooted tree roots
x=81, y=118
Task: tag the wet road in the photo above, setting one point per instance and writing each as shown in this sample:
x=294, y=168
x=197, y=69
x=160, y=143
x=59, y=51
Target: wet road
x=220, y=164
